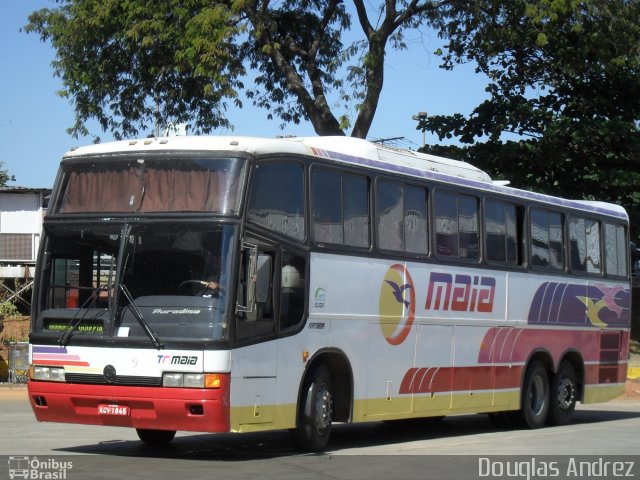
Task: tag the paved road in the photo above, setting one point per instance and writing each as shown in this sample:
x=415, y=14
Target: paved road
x=450, y=449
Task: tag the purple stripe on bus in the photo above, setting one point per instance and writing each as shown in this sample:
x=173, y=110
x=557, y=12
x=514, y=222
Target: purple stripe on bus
x=443, y=177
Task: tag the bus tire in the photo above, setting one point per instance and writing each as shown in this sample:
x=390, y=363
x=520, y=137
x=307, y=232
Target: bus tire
x=534, y=406
x=315, y=411
x=564, y=395
x=155, y=437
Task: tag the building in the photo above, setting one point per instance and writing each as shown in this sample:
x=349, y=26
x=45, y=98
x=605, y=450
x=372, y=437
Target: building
x=21, y=214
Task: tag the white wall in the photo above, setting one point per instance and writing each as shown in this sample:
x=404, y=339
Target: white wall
x=20, y=213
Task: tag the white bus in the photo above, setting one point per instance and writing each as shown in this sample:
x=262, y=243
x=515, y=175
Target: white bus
x=231, y=284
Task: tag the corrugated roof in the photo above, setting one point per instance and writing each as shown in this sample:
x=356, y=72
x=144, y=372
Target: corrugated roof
x=15, y=189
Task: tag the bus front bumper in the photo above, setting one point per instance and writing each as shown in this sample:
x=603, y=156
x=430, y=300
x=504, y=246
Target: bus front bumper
x=156, y=408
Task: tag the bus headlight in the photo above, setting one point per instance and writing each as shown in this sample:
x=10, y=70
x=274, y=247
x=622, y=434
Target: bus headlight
x=192, y=380
x=47, y=374
x=172, y=380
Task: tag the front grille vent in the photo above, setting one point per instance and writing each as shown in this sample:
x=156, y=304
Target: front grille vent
x=127, y=380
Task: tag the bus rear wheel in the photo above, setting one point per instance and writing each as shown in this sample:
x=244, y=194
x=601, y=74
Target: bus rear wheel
x=155, y=437
x=564, y=395
x=534, y=406
x=315, y=411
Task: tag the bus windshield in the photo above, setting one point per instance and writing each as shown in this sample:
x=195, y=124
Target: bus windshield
x=175, y=183
x=123, y=280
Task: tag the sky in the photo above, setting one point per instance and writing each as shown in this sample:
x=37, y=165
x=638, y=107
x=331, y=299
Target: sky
x=34, y=120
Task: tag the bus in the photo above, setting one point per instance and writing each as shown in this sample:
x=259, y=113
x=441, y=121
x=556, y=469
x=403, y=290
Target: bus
x=237, y=284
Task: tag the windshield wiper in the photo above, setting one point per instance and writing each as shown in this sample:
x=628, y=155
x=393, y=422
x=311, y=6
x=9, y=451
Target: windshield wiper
x=78, y=319
x=143, y=323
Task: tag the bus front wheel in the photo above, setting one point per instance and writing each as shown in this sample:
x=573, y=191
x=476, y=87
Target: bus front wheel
x=315, y=411
x=564, y=394
x=535, y=396
x=155, y=437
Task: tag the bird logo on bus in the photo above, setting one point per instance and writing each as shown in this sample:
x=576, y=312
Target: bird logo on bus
x=595, y=305
x=397, y=304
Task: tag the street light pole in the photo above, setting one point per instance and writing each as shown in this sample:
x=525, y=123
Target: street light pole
x=419, y=117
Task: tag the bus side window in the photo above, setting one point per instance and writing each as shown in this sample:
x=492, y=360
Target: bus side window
x=401, y=217
x=292, y=290
x=340, y=208
x=503, y=232
x=584, y=245
x=547, y=244
x=615, y=250
x=277, y=208
x=457, y=225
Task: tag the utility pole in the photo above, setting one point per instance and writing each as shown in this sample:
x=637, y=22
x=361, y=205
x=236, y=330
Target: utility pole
x=420, y=116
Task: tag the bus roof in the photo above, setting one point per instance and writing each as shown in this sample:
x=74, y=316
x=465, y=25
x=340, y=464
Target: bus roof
x=346, y=150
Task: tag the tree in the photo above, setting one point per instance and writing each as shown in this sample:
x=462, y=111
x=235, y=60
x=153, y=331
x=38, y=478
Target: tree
x=132, y=63
x=5, y=176
x=563, y=112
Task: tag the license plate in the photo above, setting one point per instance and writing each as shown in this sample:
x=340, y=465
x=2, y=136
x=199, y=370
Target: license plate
x=119, y=410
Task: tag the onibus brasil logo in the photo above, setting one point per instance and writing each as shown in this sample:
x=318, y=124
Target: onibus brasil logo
x=38, y=469
x=397, y=304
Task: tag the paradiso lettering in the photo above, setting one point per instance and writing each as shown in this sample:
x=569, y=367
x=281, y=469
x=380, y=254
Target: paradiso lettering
x=462, y=293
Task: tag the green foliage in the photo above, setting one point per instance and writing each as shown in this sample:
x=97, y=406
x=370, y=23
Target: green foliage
x=131, y=64
x=8, y=309
x=563, y=111
x=5, y=176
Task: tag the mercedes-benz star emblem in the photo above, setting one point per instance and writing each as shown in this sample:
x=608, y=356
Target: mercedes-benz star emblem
x=110, y=374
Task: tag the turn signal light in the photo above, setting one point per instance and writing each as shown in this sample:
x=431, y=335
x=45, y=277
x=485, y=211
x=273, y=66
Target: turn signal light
x=212, y=380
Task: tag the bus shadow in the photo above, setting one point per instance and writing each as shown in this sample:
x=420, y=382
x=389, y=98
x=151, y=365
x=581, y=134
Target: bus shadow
x=255, y=446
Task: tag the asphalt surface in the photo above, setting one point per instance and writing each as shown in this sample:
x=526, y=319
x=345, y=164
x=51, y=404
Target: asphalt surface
x=459, y=447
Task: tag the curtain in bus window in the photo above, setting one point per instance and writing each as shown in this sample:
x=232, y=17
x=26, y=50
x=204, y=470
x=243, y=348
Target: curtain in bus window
x=355, y=194
x=584, y=237
x=556, y=242
x=326, y=201
x=154, y=186
x=577, y=245
x=179, y=189
x=539, y=238
x=495, y=231
x=415, y=220
x=468, y=223
x=592, y=234
x=100, y=189
x=446, y=224
x=390, y=216
x=512, y=234
x=615, y=250
x=610, y=245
